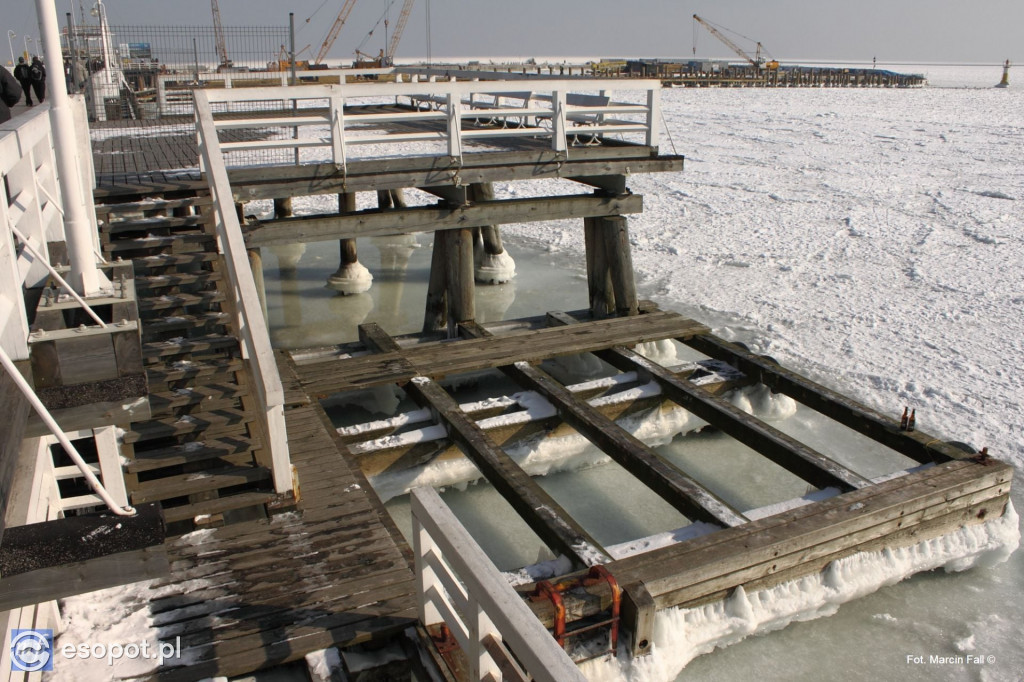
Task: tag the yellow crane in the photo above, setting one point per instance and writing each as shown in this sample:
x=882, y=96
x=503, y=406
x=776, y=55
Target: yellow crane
x=403, y=19
x=218, y=33
x=757, y=60
x=332, y=35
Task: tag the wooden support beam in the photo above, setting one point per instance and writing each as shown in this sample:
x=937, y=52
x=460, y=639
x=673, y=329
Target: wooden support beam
x=618, y=251
x=787, y=452
x=552, y=524
x=671, y=484
x=916, y=445
x=412, y=220
x=435, y=315
x=599, y=277
x=460, y=281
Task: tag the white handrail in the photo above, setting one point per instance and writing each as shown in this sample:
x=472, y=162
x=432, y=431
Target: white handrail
x=55, y=429
x=495, y=611
x=560, y=103
x=250, y=321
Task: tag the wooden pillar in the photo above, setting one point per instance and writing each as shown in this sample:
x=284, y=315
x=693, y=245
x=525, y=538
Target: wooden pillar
x=599, y=283
x=493, y=265
x=351, y=276
x=435, y=317
x=461, y=288
x=620, y=258
x=283, y=207
x=256, y=265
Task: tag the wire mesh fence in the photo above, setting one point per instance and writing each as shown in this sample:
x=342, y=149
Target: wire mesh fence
x=138, y=82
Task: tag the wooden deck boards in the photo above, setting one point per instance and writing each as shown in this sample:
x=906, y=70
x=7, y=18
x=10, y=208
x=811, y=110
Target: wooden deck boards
x=323, y=376
x=259, y=593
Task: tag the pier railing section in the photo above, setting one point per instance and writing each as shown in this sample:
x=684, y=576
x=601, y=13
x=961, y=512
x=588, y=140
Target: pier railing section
x=248, y=309
x=458, y=586
x=31, y=218
x=330, y=124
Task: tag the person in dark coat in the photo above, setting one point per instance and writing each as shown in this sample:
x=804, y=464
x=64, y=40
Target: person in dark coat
x=38, y=73
x=21, y=72
x=10, y=93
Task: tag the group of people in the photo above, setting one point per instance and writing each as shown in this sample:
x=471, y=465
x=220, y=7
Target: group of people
x=27, y=78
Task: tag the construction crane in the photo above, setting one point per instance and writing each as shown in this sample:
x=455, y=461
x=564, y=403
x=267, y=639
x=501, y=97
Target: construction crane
x=757, y=60
x=403, y=19
x=332, y=35
x=218, y=33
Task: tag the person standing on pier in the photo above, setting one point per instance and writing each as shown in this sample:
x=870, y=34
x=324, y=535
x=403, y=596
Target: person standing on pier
x=21, y=72
x=38, y=73
x=10, y=93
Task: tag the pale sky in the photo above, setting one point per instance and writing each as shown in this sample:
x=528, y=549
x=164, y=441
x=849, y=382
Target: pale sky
x=942, y=31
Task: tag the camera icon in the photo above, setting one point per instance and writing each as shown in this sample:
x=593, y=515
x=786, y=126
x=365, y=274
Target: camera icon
x=31, y=650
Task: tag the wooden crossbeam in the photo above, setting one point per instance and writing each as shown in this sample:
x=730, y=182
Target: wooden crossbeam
x=682, y=492
x=555, y=527
x=787, y=452
x=917, y=445
x=410, y=220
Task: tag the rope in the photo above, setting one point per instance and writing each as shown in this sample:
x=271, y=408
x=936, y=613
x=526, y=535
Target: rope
x=668, y=133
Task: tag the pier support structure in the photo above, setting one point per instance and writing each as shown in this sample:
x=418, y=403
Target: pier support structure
x=351, y=277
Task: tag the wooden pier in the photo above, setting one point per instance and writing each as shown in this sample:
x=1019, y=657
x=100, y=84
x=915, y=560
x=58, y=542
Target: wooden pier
x=263, y=572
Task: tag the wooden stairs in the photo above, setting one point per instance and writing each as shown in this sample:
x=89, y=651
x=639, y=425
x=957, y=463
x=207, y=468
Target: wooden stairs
x=201, y=454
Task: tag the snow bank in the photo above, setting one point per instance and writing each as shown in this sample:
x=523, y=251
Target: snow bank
x=681, y=635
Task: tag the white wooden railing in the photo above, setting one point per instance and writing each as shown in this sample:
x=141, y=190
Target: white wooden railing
x=313, y=117
x=459, y=586
x=31, y=215
x=248, y=310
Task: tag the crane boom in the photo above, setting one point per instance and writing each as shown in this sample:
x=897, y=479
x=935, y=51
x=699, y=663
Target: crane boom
x=403, y=19
x=756, y=61
x=218, y=33
x=332, y=35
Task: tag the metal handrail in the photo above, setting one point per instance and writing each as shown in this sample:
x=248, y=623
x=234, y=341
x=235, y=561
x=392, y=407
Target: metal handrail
x=60, y=280
x=55, y=429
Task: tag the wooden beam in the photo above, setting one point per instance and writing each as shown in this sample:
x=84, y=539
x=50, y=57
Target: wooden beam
x=916, y=445
x=555, y=527
x=599, y=277
x=460, y=281
x=787, y=452
x=615, y=232
x=435, y=314
x=552, y=524
x=671, y=484
x=371, y=223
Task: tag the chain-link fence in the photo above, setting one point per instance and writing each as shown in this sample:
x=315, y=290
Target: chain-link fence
x=138, y=82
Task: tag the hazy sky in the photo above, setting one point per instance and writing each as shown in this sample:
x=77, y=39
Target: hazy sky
x=986, y=31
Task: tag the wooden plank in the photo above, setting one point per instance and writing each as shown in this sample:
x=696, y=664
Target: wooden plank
x=401, y=174
x=417, y=219
x=542, y=514
x=691, y=569
x=332, y=374
x=917, y=445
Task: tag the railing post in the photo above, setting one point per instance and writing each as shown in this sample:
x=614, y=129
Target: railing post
x=454, y=125
x=653, y=117
x=338, y=128
x=422, y=544
x=558, y=141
